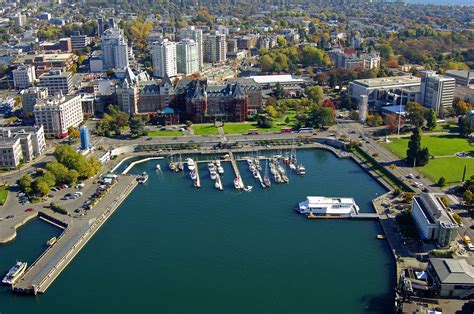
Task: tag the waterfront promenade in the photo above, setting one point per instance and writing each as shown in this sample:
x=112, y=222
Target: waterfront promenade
x=78, y=232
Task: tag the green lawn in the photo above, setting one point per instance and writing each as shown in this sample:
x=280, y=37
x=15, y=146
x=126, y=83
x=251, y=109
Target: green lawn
x=451, y=128
x=3, y=194
x=243, y=128
x=165, y=133
x=451, y=168
x=442, y=145
x=204, y=129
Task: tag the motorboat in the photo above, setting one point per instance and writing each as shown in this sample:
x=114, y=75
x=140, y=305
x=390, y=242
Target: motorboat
x=158, y=167
x=237, y=183
x=143, y=178
x=248, y=188
x=220, y=169
x=255, y=174
x=15, y=273
x=192, y=174
x=191, y=164
x=328, y=206
x=301, y=170
x=292, y=166
x=213, y=175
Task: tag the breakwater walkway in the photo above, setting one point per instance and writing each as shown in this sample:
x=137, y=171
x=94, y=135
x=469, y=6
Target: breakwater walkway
x=78, y=231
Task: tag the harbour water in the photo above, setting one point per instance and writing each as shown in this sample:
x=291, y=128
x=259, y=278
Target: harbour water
x=173, y=248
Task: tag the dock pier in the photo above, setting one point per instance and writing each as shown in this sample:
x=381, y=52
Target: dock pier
x=236, y=169
x=359, y=216
x=198, y=179
x=49, y=265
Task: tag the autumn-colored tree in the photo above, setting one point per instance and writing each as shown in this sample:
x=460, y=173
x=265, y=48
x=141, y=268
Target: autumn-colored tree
x=392, y=63
x=329, y=104
x=461, y=107
x=392, y=122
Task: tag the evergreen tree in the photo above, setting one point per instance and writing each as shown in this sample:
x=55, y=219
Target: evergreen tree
x=431, y=120
x=414, y=146
x=464, y=127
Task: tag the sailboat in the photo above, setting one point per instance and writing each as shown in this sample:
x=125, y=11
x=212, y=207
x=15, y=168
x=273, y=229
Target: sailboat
x=172, y=164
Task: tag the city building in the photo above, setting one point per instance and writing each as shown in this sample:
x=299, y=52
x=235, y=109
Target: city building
x=163, y=57
x=437, y=91
x=199, y=102
x=114, y=49
x=57, y=113
x=24, y=76
x=85, y=137
x=45, y=62
x=433, y=220
x=348, y=59
x=19, y=20
x=452, y=278
x=57, y=81
x=187, y=57
x=78, y=42
x=195, y=34
x=30, y=96
x=386, y=91
x=214, y=48
x=20, y=144
x=462, y=77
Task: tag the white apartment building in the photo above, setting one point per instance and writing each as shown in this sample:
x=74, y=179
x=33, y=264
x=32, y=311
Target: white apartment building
x=114, y=49
x=58, y=113
x=56, y=82
x=78, y=42
x=187, y=57
x=214, y=48
x=195, y=34
x=20, y=144
x=437, y=91
x=24, y=76
x=163, y=57
x=433, y=220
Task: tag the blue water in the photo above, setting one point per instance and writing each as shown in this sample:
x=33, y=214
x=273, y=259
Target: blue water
x=172, y=248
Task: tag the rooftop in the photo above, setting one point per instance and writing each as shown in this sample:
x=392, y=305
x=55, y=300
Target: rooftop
x=389, y=81
x=453, y=271
x=278, y=78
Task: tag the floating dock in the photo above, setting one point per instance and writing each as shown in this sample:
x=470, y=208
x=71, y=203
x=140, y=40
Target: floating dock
x=198, y=179
x=351, y=216
x=236, y=170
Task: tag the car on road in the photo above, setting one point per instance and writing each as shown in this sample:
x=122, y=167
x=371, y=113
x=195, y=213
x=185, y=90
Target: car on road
x=29, y=209
x=410, y=176
x=10, y=216
x=149, y=139
x=77, y=210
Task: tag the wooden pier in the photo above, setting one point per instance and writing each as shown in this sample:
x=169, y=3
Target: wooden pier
x=198, y=179
x=236, y=170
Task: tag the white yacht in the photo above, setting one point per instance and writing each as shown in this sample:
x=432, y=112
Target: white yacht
x=15, y=273
x=143, y=178
x=301, y=170
x=213, y=175
x=191, y=164
x=327, y=206
x=158, y=167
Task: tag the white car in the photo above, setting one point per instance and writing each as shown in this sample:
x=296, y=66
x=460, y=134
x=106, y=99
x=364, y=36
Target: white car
x=470, y=246
x=410, y=176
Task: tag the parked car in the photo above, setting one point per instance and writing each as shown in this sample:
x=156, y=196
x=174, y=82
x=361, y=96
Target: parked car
x=10, y=216
x=29, y=209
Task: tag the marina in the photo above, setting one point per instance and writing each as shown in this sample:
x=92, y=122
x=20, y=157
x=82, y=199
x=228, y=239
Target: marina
x=251, y=210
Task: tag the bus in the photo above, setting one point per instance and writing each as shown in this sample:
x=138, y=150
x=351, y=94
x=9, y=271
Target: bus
x=306, y=130
x=286, y=130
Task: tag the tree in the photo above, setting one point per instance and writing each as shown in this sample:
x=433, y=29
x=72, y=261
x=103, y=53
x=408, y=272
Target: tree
x=271, y=111
x=386, y=52
x=266, y=63
x=461, y=107
x=278, y=91
x=393, y=121
x=417, y=156
x=431, y=119
x=416, y=114
x=315, y=93
x=25, y=183
x=73, y=133
x=312, y=56
x=110, y=73
x=72, y=176
x=441, y=182
x=137, y=126
x=464, y=125
x=321, y=116
x=329, y=104
x=59, y=171
x=41, y=187
x=392, y=63
x=374, y=120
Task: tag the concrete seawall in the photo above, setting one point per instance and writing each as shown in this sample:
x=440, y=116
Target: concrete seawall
x=42, y=273
x=9, y=234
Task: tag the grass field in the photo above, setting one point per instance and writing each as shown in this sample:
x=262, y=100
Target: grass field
x=3, y=194
x=451, y=168
x=443, y=145
x=165, y=133
x=204, y=129
x=243, y=128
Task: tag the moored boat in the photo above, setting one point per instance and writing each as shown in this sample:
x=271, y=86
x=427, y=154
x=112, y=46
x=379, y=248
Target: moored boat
x=191, y=164
x=193, y=176
x=237, y=183
x=143, y=178
x=220, y=169
x=301, y=170
x=327, y=206
x=15, y=273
